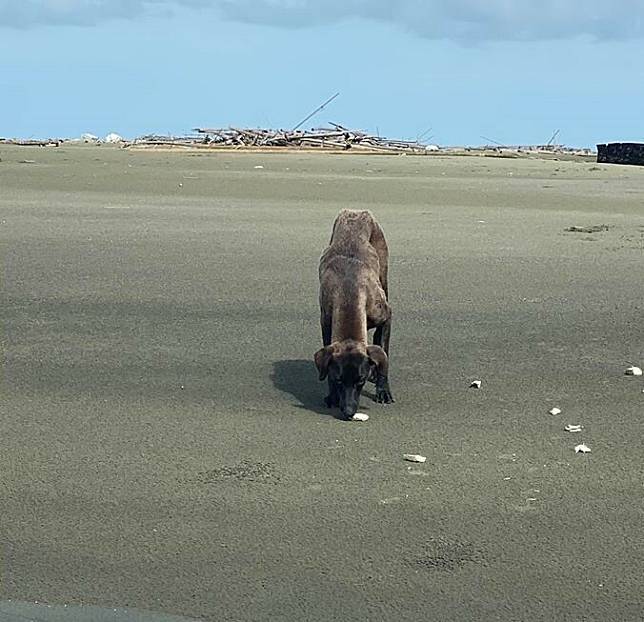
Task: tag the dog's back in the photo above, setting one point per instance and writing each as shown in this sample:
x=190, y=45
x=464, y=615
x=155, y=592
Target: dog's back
x=357, y=244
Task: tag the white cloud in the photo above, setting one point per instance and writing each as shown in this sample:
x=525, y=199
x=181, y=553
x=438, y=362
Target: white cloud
x=436, y=19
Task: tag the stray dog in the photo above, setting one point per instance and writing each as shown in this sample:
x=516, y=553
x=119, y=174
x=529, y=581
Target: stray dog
x=353, y=299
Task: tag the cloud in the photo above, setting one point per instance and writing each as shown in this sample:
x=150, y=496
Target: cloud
x=457, y=19
x=463, y=20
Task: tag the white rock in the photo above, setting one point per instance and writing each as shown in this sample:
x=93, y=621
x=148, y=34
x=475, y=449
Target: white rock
x=582, y=449
x=555, y=411
x=476, y=384
x=360, y=417
x=90, y=138
x=633, y=371
x=573, y=428
x=414, y=457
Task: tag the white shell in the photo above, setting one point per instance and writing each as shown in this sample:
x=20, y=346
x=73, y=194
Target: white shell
x=414, y=457
x=476, y=384
x=582, y=449
x=573, y=428
x=554, y=411
x=360, y=417
x=633, y=371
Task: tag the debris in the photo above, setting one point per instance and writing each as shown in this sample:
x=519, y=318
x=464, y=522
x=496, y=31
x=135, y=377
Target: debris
x=555, y=411
x=360, y=417
x=334, y=136
x=50, y=142
x=258, y=166
x=573, y=428
x=27, y=162
x=582, y=449
x=414, y=457
x=633, y=371
x=476, y=384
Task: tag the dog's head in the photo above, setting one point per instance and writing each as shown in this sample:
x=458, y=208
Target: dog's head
x=348, y=365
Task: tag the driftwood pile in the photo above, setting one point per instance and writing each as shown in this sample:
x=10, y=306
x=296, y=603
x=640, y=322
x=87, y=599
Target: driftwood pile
x=336, y=137
x=50, y=142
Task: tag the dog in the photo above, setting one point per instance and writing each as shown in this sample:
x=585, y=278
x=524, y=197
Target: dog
x=353, y=299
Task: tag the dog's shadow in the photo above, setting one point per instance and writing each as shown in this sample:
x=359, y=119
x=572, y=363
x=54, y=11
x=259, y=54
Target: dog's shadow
x=299, y=377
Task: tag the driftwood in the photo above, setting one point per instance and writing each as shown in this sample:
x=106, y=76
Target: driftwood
x=336, y=137
x=50, y=142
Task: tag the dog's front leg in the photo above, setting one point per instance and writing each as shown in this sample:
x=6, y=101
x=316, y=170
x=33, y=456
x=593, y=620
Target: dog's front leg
x=383, y=392
x=332, y=400
x=380, y=363
x=381, y=338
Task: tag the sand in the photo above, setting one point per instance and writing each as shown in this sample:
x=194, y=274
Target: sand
x=164, y=445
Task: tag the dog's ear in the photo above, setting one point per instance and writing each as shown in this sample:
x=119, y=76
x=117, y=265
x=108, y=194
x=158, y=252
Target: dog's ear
x=379, y=358
x=322, y=360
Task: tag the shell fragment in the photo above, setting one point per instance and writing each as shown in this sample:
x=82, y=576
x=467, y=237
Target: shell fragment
x=582, y=449
x=476, y=384
x=360, y=417
x=633, y=371
x=414, y=457
x=573, y=428
x=555, y=411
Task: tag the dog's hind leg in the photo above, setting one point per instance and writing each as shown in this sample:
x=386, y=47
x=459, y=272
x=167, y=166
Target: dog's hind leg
x=382, y=335
x=377, y=240
x=326, y=325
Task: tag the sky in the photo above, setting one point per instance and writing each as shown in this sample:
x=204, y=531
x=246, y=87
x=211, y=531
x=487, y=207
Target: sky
x=512, y=71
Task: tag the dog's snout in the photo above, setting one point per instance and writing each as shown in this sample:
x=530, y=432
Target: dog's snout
x=349, y=401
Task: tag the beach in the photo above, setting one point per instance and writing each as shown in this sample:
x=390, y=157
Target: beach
x=164, y=442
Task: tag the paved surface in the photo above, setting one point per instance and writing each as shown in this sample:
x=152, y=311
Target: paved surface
x=163, y=441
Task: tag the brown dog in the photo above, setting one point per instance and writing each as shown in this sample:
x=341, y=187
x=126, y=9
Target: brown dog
x=353, y=299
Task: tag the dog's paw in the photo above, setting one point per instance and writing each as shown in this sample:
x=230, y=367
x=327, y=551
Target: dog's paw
x=384, y=396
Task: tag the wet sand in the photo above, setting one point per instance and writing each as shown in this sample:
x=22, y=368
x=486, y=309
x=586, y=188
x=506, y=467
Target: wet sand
x=164, y=445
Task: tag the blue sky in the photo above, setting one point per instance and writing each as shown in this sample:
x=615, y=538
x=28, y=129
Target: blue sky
x=511, y=70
